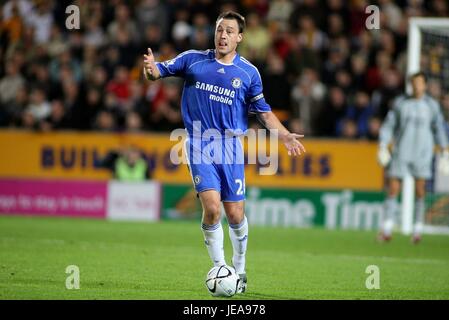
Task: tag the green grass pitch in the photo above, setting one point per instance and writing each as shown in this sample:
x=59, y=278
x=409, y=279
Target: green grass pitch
x=168, y=260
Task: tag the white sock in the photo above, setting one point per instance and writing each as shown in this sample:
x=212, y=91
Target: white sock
x=391, y=206
x=419, y=216
x=213, y=238
x=239, y=238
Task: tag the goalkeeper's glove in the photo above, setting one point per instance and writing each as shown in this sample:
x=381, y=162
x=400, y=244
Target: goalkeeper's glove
x=443, y=163
x=383, y=156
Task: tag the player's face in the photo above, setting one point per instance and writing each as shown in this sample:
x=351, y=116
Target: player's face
x=419, y=86
x=227, y=36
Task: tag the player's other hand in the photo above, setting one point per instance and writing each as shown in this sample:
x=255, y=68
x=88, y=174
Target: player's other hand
x=443, y=163
x=150, y=70
x=383, y=156
x=294, y=147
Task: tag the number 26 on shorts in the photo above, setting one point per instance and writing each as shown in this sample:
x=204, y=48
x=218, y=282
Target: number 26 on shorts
x=241, y=186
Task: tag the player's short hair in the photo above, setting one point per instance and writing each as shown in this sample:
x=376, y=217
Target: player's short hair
x=232, y=15
x=418, y=74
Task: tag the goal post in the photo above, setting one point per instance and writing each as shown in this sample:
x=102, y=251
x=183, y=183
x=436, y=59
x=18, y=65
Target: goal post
x=423, y=33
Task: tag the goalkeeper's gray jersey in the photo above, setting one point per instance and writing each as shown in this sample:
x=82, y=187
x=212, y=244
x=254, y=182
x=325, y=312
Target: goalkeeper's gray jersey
x=414, y=126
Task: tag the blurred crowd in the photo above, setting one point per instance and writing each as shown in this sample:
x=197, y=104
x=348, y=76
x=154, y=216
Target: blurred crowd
x=324, y=73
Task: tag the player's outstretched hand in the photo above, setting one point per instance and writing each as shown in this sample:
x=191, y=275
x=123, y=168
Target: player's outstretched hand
x=294, y=147
x=443, y=163
x=150, y=70
x=383, y=156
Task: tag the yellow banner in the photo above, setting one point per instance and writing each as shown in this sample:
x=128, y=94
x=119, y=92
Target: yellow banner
x=73, y=155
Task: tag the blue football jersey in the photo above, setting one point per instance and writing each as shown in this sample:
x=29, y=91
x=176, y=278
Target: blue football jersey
x=218, y=95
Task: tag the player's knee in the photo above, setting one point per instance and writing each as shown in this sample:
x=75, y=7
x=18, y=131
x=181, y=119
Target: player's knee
x=212, y=210
x=420, y=189
x=235, y=214
x=393, y=190
x=420, y=193
x=393, y=193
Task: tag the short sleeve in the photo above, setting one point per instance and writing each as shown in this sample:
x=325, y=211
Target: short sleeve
x=255, y=97
x=390, y=123
x=175, y=66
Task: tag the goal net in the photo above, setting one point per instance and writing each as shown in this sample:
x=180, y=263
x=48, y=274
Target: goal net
x=428, y=51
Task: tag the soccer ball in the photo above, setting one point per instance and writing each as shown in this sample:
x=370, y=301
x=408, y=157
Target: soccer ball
x=222, y=281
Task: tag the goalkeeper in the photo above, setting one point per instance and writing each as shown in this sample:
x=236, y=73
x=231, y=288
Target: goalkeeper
x=413, y=126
